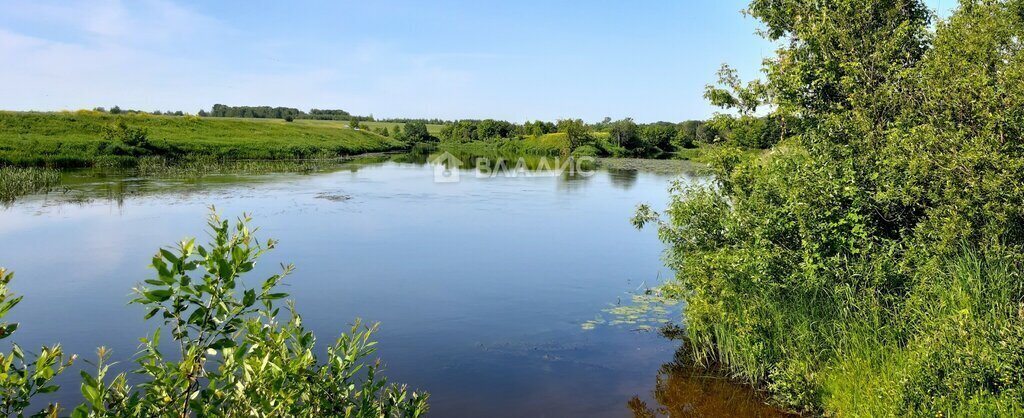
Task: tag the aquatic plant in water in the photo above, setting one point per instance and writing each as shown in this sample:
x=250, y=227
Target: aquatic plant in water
x=644, y=310
x=18, y=181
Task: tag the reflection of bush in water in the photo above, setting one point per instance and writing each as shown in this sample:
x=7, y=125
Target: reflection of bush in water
x=496, y=162
x=623, y=178
x=684, y=389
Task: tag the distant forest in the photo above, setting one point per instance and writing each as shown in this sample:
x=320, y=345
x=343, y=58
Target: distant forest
x=267, y=112
x=225, y=111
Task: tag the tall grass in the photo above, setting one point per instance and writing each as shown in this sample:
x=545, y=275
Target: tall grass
x=957, y=349
x=17, y=181
x=952, y=346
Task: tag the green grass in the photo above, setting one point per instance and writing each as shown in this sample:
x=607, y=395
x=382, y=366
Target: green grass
x=76, y=139
x=956, y=348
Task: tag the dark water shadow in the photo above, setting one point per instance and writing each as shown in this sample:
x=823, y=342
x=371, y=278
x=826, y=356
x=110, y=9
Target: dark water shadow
x=685, y=389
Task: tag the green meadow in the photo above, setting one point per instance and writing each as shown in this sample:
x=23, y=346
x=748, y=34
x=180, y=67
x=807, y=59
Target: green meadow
x=86, y=138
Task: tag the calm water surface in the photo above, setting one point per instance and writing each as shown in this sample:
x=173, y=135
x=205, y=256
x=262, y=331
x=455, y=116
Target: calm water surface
x=480, y=286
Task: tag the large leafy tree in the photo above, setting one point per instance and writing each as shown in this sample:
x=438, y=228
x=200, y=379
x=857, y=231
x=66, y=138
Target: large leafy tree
x=576, y=131
x=909, y=154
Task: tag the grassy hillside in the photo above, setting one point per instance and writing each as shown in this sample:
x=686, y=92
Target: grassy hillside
x=69, y=139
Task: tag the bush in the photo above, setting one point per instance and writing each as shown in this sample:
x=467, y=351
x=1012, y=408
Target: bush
x=870, y=267
x=24, y=377
x=125, y=140
x=586, y=151
x=239, y=355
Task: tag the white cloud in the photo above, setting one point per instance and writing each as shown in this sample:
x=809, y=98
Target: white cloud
x=154, y=54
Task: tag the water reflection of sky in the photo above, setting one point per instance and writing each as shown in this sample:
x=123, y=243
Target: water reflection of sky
x=480, y=286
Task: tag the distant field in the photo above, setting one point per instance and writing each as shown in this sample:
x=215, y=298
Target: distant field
x=77, y=138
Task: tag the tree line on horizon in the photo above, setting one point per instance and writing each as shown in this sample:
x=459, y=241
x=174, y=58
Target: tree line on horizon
x=627, y=138
x=618, y=138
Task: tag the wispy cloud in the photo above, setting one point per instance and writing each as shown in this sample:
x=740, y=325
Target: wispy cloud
x=158, y=55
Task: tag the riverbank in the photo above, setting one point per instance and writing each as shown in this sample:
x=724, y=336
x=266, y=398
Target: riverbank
x=86, y=139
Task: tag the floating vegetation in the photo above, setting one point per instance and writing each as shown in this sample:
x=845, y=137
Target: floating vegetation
x=199, y=166
x=645, y=311
x=17, y=181
x=668, y=167
x=333, y=197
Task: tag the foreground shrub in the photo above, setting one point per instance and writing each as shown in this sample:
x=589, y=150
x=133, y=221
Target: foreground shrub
x=238, y=354
x=22, y=376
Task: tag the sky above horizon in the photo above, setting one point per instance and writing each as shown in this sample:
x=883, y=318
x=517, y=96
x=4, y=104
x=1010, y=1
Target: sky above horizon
x=517, y=61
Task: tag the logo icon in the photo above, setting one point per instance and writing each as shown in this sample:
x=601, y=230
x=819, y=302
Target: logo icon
x=446, y=168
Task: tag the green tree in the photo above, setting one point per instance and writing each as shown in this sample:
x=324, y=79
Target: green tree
x=686, y=134
x=656, y=138
x=576, y=132
x=829, y=269
x=416, y=132
x=625, y=133
x=731, y=93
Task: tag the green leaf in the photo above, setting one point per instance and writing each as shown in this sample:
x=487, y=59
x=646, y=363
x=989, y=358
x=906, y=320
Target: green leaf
x=91, y=394
x=222, y=343
x=249, y=298
x=197, y=316
x=49, y=389
x=169, y=256
x=158, y=295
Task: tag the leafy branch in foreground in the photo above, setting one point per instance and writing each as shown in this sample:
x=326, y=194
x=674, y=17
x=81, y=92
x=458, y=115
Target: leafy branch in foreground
x=22, y=377
x=238, y=354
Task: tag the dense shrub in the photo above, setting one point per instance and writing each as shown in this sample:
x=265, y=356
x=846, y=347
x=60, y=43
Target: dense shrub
x=122, y=139
x=832, y=269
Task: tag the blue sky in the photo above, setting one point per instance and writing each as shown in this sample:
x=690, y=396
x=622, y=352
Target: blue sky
x=514, y=60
